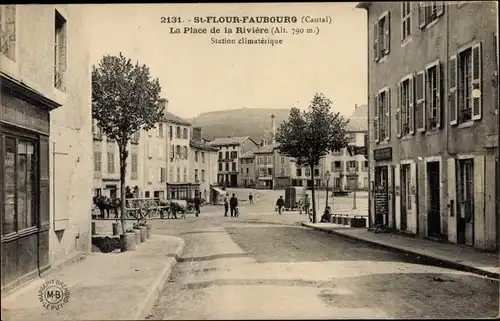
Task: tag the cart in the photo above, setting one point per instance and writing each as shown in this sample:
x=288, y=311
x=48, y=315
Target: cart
x=292, y=196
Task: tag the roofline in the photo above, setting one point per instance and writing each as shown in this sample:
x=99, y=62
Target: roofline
x=186, y=123
x=364, y=5
x=252, y=140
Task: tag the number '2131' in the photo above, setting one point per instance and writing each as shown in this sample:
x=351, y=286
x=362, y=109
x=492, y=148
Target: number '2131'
x=170, y=20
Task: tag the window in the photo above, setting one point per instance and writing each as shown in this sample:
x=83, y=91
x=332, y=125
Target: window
x=338, y=152
x=170, y=132
x=248, y=170
x=405, y=20
x=365, y=166
x=308, y=172
x=227, y=155
x=172, y=152
x=352, y=164
x=429, y=98
x=177, y=132
x=269, y=160
x=196, y=156
x=405, y=188
x=220, y=167
x=221, y=155
x=337, y=166
x=202, y=175
x=227, y=167
x=160, y=130
x=203, y=157
x=184, y=176
x=316, y=172
x=163, y=175
x=404, y=112
x=97, y=161
x=282, y=171
x=133, y=166
x=465, y=85
x=382, y=116
x=111, y=162
x=196, y=175
x=381, y=42
x=177, y=151
x=466, y=189
x=8, y=31
x=20, y=190
x=178, y=174
x=270, y=171
x=60, y=48
x=299, y=172
x=185, y=133
x=429, y=11
x=233, y=166
x=234, y=155
x=185, y=153
x=96, y=130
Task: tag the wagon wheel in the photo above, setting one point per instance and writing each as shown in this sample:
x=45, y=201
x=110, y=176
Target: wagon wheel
x=147, y=208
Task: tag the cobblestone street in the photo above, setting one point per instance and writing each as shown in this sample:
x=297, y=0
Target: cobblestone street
x=263, y=265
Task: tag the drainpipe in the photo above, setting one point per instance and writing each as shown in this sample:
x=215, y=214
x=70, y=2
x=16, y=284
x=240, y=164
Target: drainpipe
x=497, y=171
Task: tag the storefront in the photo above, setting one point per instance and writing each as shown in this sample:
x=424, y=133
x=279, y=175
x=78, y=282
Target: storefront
x=24, y=177
x=381, y=192
x=182, y=191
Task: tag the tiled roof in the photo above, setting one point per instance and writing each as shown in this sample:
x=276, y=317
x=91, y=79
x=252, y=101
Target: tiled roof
x=249, y=154
x=357, y=124
x=228, y=141
x=201, y=145
x=169, y=117
x=265, y=150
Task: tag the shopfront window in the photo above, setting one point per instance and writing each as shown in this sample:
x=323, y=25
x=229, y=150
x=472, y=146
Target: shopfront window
x=19, y=186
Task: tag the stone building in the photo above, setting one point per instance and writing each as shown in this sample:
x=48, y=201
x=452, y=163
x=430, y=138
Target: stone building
x=203, y=164
x=247, y=177
x=45, y=145
x=433, y=118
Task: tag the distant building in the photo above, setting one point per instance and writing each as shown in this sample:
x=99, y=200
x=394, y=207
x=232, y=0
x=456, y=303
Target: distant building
x=264, y=166
x=203, y=163
x=247, y=176
x=45, y=128
x=230, y=149
x=433, y=115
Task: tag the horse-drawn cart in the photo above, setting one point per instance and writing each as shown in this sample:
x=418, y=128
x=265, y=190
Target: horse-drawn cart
x=146, y=208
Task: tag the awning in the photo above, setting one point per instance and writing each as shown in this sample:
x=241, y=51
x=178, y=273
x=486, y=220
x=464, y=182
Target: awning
x=218, y=190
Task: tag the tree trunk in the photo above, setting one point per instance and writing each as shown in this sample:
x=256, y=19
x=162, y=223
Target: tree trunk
x=315, y=220
x=123, y=171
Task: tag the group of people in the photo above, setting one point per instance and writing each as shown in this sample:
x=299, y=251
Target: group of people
x=232, y=204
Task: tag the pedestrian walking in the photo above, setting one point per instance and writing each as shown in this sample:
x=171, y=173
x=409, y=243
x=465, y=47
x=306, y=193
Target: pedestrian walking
x=226, y=205
x=307, y=205
x=197, y=203
x=250, y=198
x=280, y=203
x=233, y=203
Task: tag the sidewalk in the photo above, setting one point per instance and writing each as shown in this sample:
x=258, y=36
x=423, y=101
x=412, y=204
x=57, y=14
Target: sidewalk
x=114, y=286
x=455, y=255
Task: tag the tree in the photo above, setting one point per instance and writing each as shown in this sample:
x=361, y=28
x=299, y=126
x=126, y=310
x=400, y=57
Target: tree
x=310, y=135
x=125, y=99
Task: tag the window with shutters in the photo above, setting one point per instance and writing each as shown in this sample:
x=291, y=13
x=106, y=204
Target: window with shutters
x=111, y=162
x=405, y=20
x=382, y=116
x=381, y=42
x=8, y=31
x=429, y=12
x=97, y=161
x=404, y=113
x=433, y=95
x=60, y=50
x=133, y=166
x=465, y=86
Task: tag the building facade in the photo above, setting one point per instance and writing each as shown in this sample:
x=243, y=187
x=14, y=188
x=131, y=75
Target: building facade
x=203, y=164
x=230, y=150
x=265, y=166
x=45, y=145
x=433, y=119
x=247, y=177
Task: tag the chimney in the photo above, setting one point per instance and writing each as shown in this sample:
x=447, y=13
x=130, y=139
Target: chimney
x=263, y=143
x=197, y=134
x=273, y=125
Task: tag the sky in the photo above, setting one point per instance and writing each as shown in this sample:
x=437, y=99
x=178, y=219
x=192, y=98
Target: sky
x=197, y=76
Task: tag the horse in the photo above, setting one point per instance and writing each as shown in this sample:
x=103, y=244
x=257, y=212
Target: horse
x=105, y=204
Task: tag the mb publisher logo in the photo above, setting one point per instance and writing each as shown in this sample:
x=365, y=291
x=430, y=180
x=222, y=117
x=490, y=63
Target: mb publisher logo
x=53, y=294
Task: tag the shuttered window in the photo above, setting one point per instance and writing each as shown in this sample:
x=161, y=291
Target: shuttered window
x=405, y=115
x=405, y=20
x=432, y=95
x=381, y=36
x=429, y=11
x=382, y=119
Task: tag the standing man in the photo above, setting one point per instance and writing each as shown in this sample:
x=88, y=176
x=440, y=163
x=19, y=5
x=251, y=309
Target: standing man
x=233, y=203
x=197, y=202
x=280, y=203
x=250, y=198
x=307, y=205
x=226, y=205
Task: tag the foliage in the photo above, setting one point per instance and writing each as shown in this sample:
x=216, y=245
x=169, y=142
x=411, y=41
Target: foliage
x=310, y=135
x=125, y=99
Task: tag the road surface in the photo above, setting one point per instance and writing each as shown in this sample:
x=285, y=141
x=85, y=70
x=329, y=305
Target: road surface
x=262, y=265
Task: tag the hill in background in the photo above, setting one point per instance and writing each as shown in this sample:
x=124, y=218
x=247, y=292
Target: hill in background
x=255, y=123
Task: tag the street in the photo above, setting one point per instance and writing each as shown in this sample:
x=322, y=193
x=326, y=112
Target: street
x=263, y=265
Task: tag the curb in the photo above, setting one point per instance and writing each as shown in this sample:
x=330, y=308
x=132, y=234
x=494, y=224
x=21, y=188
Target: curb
x=148, y=302
x=447, y=263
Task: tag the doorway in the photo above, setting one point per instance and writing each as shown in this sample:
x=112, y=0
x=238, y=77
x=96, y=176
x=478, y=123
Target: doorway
x=465, y=191
x=381, y=196
x=405, y=195
x=433, y=199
